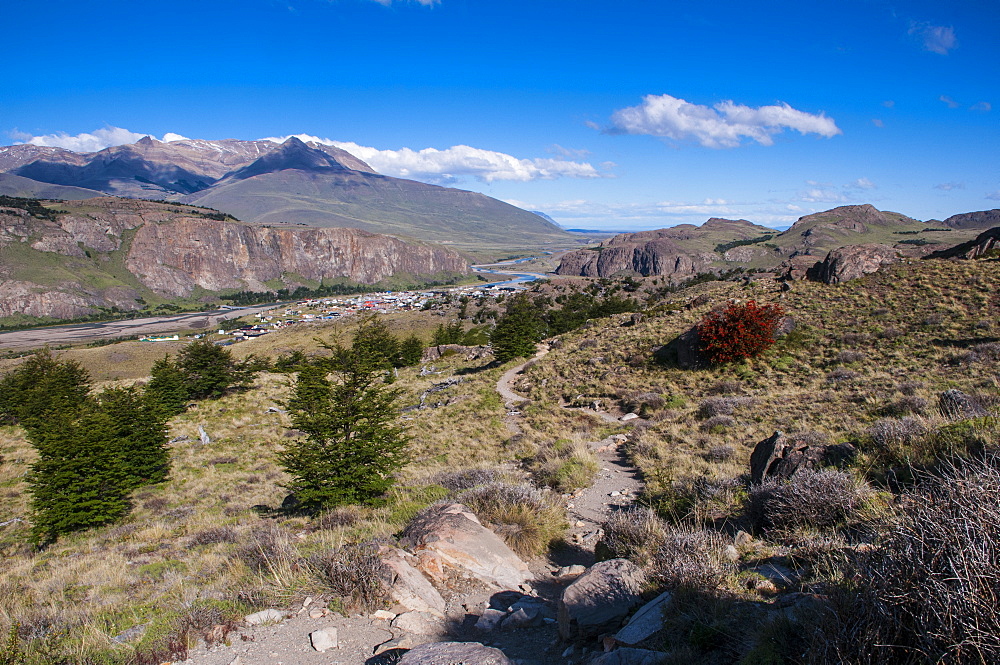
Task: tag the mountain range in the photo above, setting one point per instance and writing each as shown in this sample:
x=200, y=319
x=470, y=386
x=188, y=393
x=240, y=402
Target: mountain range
x=290, y=183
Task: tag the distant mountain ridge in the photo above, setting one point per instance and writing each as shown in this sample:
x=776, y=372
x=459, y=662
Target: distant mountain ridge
x=718, y=245
x=287, y=183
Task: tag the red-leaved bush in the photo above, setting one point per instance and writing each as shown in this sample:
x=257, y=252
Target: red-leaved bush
x=738, y=331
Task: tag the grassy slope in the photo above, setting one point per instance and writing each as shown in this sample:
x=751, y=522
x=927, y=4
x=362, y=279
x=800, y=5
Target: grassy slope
x=903, y=322
x=462, y=219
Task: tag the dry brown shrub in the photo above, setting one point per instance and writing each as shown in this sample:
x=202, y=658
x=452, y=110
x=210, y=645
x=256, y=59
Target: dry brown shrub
x=355, y=573
x=929, y=592
x=528, y=519
x=267, y=549
x=634, y=533
x=820, y=499
x=691, y=558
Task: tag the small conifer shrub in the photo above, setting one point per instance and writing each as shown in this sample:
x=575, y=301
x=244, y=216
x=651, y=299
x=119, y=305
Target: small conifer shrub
x=737, y=332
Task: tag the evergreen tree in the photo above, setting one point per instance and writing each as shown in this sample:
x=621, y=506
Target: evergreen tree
x=411, y=350
x=353, y=443
x=139, y=435
x=210, y=370
x=41, y=387
x=517, y=330
x=77, y=481
x=373, y=340
x=167, y=387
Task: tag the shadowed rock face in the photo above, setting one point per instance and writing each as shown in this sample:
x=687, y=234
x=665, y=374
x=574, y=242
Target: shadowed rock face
x=847, y=263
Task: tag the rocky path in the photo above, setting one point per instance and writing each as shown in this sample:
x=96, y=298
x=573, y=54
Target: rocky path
x=509, y=397
x=288, y=642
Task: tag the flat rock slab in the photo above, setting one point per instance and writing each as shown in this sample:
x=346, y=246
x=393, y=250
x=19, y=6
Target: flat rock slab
x=409, y=587
x=454, y=653
x=646, y=622
x=627, y=656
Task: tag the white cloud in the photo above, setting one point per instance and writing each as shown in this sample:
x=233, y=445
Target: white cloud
x=86, y=142
x=878, y=122
x=557, y=149
x=952, y=104
x=948, y=186
x=888, y=103
x=993, y=196
x=861, y=183
x=936, y=38
x=822, y=196
x=981, y=106
x=94, y=141
x=723, y=125
x=446, y=166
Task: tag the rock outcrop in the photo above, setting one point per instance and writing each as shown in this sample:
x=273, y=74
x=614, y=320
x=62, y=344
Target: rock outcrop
x=781, y=456
x=680, y=251
x=985, y=243
x=982, y=219
x=448, y=539
x=847, y=263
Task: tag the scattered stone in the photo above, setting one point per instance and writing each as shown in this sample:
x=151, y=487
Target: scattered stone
x=236, y=661
x=615, y=493
x=454, y=538
x=180, y=439
x=274, y=409
x=571, y=571
x=317, y=613
x=779, y=575
x=454, y=653
x=419, y=623
x=490, y=619
x=647, y=621
x=742, y=539
x=580, y=523
x=130, y=635
x=383, y=615
x=307, y=601
x=598, y=601
x=629, y=416
x=203, y=435
x=731, y=553
x=324, y=639
x=263, y=617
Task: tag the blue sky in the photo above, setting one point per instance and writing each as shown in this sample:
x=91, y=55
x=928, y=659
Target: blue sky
x=625, y=115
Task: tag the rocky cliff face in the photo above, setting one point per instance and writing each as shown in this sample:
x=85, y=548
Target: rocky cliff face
x=71, y=258
x=678, y=252
x=175, y=257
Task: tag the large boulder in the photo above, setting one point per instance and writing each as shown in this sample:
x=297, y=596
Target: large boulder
x=600, y=599
x=454, y=653
x=408, y=586
x=847, y=263
x=448, y=538
x=781, y=456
